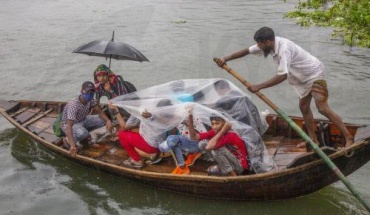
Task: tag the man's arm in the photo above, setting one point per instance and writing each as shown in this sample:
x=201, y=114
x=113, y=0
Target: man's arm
x=277, y=79
x=69, y=133
x=236, y=55
x=213, y=142
x=102, y=115
x=193, y=135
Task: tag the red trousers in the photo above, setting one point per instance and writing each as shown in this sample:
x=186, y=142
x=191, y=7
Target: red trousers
x=130, y=140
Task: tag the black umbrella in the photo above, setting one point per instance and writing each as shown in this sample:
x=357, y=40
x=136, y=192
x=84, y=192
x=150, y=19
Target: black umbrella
x=111, y=49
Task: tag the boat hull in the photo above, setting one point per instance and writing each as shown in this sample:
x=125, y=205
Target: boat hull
x=295, y=181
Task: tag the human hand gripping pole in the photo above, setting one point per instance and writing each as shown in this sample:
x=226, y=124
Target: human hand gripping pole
x=304, y=136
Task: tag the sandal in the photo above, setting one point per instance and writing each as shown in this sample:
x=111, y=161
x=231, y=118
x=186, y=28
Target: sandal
x=155, y=158
x=65, y=144
x=214, y=170
x=131, y=164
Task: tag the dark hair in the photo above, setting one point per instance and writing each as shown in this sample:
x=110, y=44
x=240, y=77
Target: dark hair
x=178, y=86
x=164, y=102
x=215, y=117
x=221, y=84
x=263, y=34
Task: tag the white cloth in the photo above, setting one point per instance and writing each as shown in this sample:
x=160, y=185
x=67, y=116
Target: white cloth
x=301, y=67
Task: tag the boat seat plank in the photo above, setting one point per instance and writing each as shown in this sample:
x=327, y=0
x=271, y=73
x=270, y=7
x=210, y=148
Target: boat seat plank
x=19, y=111
x=362, y=133
x=96, y=152
x=48, y=119
x=37, y=129
x=23, y=117
x=309, y=157
x=9, y=106
x=39, y=126
x=272, y=141
x=284, y=159
x=38, y=117
x=49, y=137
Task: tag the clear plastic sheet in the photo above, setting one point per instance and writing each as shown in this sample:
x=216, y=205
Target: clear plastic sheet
x=169, y=104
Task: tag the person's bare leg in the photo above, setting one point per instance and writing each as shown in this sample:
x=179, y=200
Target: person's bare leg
x=304, y=106
x=232, y=173
x=325, y=110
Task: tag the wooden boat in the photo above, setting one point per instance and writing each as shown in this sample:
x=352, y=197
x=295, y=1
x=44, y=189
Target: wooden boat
x=299, y=173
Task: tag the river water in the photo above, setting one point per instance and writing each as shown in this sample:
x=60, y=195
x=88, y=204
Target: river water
x=180, y=38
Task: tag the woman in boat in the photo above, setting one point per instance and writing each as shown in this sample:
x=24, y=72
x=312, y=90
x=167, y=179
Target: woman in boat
x=227, y=148
x=108, y=84
x=134, y=143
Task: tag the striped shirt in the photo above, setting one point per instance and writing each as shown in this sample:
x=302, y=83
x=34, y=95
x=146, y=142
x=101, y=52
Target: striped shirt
x=76, y=111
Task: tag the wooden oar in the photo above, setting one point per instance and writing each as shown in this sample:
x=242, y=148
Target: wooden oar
x=302, y=134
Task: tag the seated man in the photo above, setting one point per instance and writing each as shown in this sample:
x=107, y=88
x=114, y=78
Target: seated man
x=76, y=121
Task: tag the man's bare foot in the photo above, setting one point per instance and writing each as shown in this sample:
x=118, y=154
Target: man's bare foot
x=349, y=142
x=95, y=145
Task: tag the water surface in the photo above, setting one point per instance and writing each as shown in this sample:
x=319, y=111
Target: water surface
x=180, y=38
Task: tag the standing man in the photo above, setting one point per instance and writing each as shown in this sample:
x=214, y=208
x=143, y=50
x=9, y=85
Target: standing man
x=303, y=71
x=76, y=121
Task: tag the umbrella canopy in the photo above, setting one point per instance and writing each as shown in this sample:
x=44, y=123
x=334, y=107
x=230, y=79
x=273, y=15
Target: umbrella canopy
x=111, y=49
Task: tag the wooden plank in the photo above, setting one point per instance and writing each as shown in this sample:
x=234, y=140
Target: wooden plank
x=40, y=126
x=9, y=106
x=48, y=119
x=23, y=117
x=362, y=133
x=96, y=152
x=37, y=117
x=284, y=159
x=19, y=111
x=310, y=157
x=49, y=137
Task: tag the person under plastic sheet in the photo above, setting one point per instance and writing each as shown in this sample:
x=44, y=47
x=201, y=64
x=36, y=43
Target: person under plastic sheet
x=205, y=98
x=226, y=147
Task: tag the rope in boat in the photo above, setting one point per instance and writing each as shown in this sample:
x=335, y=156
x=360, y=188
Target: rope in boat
x=346, y=153
x=349, y=153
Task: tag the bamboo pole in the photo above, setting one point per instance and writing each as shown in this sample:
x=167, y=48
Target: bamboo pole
x=305, y=137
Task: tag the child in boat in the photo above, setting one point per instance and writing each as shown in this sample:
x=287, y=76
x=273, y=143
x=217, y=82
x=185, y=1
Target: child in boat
x=227, y=148
x=181, y=144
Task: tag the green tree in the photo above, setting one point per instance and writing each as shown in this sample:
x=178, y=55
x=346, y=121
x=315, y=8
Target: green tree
x=351, y=18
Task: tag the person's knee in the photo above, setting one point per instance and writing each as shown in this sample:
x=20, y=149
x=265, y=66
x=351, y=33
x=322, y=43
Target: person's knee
x=172, y=141
x=123, y=137
x=202, y=146
x=304, y=107
x=322, y=108
x=81, y=134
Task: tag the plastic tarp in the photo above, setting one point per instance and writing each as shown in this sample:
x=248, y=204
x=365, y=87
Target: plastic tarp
x=169, y=104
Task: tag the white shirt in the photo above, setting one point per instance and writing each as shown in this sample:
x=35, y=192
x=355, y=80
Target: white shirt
x=301, y=67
